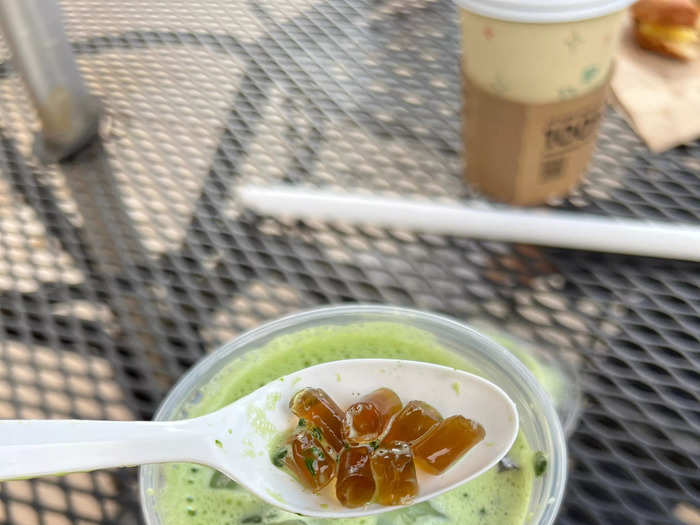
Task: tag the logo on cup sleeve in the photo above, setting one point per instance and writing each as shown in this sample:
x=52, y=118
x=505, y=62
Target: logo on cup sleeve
x=571, y=131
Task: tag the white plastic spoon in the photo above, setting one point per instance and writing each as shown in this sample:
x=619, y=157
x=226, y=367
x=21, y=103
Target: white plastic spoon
x=238, y=438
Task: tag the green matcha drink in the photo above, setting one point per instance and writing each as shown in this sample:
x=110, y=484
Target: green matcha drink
x=194, y=495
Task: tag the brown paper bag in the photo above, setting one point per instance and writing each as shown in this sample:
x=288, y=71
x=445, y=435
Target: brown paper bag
x=660, y=96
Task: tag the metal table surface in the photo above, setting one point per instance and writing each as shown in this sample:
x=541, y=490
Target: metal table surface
x=120, y=269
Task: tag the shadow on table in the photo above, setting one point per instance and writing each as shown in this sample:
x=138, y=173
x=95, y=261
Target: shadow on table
x=151, y=300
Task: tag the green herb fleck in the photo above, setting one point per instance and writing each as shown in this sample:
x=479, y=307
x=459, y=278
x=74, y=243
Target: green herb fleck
x=310, y=465
x=317, y=433
x=302, y=422
x=278, y=457
x=346, y=445
x=374, y=445
x=318, y=452
x=540, y=461
x=455, y=387
x=221, y=481
x=230, y=431
x=219, y=443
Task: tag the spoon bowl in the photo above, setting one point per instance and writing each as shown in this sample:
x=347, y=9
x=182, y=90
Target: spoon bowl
x=238, y=439
x=267, y=413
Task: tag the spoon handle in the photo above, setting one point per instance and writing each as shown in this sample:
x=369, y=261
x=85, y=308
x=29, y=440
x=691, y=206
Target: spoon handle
x=31, y=448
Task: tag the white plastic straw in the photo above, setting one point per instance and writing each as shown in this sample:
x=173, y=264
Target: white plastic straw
x=543, y=227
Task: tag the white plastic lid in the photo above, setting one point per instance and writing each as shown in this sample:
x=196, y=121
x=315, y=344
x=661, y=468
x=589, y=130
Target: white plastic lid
x=543, y=11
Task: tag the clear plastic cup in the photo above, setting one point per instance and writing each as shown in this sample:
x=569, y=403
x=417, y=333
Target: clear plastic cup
x=538, y=417
x=557, y=370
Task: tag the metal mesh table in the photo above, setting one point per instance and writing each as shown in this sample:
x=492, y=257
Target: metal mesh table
x=120, y=269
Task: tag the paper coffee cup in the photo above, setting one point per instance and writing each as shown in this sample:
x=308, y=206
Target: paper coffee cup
x=535, y=77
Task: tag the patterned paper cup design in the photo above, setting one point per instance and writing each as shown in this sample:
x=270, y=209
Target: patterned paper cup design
x=538, y=63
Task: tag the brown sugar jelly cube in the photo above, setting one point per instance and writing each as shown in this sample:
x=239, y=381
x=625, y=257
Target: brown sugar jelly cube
x=445, y=443
x=320, y=412
x=355, y=484
x=366, y=420
x=414, y=420
x=313, y=467
x=394, y=474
